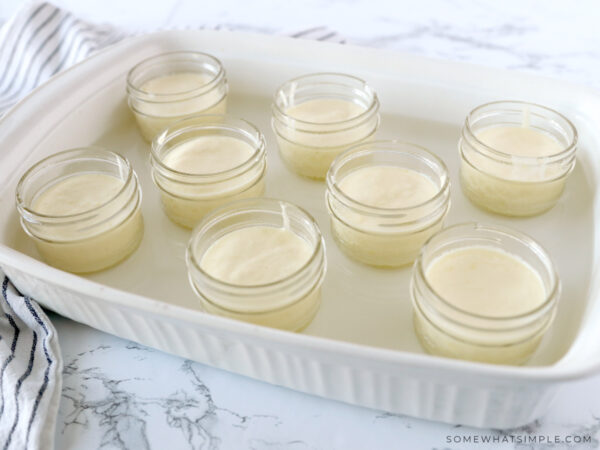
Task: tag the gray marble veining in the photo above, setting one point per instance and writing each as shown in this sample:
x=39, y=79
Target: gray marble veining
x=121, y=395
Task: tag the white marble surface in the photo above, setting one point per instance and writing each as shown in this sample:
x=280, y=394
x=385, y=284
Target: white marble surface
x=118, y=395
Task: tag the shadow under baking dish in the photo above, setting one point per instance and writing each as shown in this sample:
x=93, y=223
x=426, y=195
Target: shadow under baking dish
x=360, y=304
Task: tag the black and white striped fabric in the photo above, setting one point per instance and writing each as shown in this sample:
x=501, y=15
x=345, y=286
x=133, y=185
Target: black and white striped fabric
x=30, y=373
x=35, y=44
x=40, y=41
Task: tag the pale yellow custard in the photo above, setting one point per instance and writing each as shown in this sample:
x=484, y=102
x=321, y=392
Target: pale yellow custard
x=77, y=194
x=486, y=282
x=388, y=187
x=208, y=155
x=81, y=249
x=256, y=255
x=325, y=110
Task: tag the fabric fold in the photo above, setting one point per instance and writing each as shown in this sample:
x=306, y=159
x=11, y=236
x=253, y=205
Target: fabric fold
x=30, y=372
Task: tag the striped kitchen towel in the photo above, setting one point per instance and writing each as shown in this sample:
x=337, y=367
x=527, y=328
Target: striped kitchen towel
x=30, y=374
x=40, y=41
x=35, y=44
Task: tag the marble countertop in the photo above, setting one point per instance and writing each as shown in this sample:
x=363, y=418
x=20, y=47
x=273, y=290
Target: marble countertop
x=120, y=395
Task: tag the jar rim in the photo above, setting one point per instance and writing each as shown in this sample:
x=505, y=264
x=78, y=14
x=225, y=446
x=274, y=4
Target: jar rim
x=371, y=108
x=155, y=60
x=253, y=312
x=26, y=209
x=135, y=209
x=332, y=148
x=525, y=239
x=214, y=121
x=140, y=113
x=466, y=160
x=525, y=159
x=394, y=146
x=221, y=195
x=236, y=206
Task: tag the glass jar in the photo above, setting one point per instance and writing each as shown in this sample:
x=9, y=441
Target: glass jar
x=188, y=197
x=379, y=236
x=91, y=240
x=307, y=147
x=289, y=303
x=156, y=108
x=509, y=184
x=444, y=329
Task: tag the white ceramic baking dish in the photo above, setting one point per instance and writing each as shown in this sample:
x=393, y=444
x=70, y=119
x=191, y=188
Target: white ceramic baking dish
x=361, y=347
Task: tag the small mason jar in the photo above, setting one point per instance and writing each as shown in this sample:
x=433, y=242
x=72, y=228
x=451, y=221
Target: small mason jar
x=165, y=88
x=445, y=329
x=289, y=303
x=90, y=240
x=512, y=184
x=308, y=147
x=188, y=196
x=386, y=236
